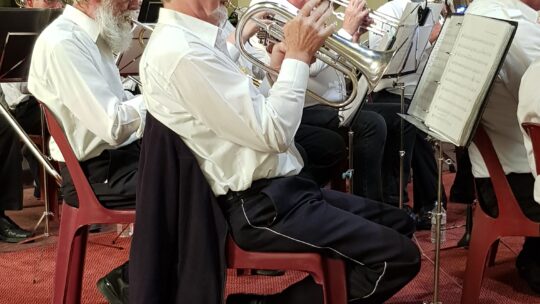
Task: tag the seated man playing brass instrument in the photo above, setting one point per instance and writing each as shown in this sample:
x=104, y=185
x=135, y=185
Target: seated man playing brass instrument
x=73, y=73
x=244, y=144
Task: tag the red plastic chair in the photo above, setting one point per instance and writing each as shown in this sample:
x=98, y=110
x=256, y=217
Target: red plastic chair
x=327, y=272
x=74, y=223
x=488, y=230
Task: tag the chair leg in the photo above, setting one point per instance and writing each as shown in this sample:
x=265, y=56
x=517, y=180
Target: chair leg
x=479, y=251
x=78, y=254
x=335, y=289
x=69, y=259
x=493, y=253
x=63, y=254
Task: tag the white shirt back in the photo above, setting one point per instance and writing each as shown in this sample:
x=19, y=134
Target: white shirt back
x=237, y=135
x=529, y=111
x=73, y=73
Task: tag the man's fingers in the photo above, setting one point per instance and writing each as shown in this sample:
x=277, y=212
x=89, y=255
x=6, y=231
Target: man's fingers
x=308, y=7
x=329, y=30
x=318, y=12
x=324, y=18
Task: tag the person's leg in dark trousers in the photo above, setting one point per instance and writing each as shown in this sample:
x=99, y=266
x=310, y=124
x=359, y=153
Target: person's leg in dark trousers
x=112, y=175
x=293, y=215
x=462, y=190
x=28, y=115
x=10, y=168
x=522, y=185
x=425, y=177
x=368, y=145
x=322, y=150
x=323, y=147
x=390, y=167
x=11, y=196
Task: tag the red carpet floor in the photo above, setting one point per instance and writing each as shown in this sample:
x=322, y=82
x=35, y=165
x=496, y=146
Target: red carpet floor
x=27, y=270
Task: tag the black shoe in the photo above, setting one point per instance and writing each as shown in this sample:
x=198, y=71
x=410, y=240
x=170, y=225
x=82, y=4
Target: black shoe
x=410, y=212
x=423, y=221
x=529, y=269
x=10, y=232
x=113, y=287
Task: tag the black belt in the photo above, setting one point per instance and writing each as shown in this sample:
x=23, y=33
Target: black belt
x=234, y=197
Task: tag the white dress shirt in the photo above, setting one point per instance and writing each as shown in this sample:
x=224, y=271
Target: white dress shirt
x=15, y=93
x=192, y=86
x=73, y=72
x=529, y=111
x=499, y=119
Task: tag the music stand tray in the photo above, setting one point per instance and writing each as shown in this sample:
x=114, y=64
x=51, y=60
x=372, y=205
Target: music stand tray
x=19, y=30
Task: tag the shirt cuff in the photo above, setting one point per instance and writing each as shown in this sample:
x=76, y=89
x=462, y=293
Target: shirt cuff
x=295, y=72
x=343, y=33
x=137, y=103
x=234, y=53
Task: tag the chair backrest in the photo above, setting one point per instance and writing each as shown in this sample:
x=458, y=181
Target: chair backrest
x=507, y=203
x=89, y=205
x=533, y=130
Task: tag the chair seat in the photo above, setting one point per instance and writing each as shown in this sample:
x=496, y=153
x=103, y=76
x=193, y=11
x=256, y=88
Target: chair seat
x=327, y=272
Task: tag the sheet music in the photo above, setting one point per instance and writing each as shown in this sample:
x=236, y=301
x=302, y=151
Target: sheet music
x=467, y=77
x=405, y=41
x=425, y=91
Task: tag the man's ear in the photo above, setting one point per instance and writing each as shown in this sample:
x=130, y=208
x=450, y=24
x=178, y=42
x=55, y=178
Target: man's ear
x=29, y=3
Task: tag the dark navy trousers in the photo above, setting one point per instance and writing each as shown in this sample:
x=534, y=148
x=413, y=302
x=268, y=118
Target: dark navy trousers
x=292, y=214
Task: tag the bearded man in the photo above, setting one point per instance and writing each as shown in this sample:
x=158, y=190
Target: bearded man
x=74, y=74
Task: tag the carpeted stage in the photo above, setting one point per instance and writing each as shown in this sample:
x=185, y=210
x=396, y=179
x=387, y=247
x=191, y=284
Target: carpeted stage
x=27, y=270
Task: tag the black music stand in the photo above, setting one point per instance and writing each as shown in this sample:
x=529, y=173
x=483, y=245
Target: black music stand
x=19, y=30
x=128, y=61
x=18, y=33
x=149, y=11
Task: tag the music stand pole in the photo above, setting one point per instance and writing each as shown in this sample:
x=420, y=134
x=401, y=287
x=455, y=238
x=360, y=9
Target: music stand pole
x=401, y=87
x=438, y=218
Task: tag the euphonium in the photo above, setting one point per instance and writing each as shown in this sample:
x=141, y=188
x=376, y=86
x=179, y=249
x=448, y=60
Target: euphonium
x=144, y=27
x=339, y=53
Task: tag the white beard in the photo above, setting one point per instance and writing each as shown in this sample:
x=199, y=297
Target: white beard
x=115, y=30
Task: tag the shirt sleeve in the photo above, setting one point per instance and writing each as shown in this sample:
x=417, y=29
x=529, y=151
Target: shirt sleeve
x=88, y=96
x=234, y=109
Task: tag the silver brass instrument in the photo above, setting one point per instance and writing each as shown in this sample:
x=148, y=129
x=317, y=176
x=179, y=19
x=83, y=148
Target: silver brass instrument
x=346, y=57
x=380, y=19
x=144, y=27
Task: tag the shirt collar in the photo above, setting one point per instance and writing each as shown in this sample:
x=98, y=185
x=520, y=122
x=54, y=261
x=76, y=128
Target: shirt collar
x=528, y=13
x=88, y=24
x=202, y=29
